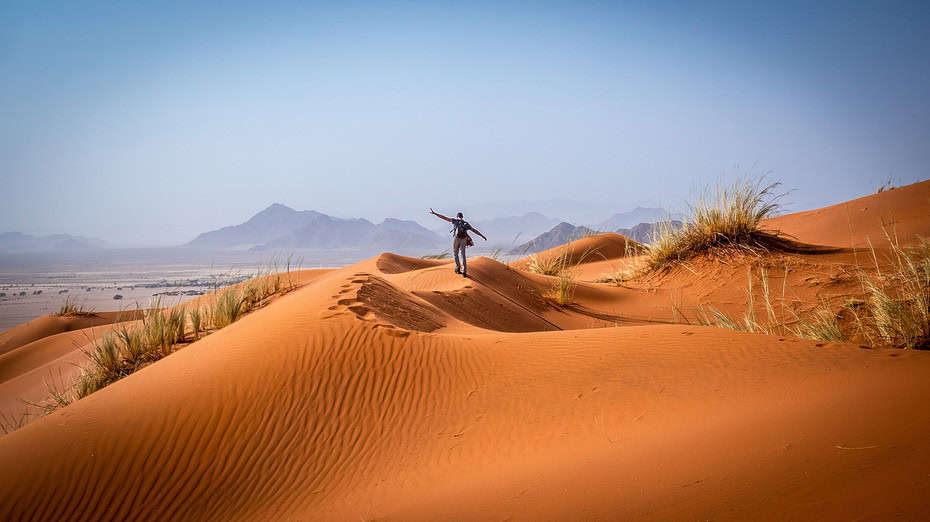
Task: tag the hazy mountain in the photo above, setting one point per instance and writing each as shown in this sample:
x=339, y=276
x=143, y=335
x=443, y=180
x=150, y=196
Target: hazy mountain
x=644, y=232
x=508, y=230
x=396, y=233
x=17, y=242
x=276, y=221
x=638, y=215
x=281, y=227
x=574, y=211
x=558, y=235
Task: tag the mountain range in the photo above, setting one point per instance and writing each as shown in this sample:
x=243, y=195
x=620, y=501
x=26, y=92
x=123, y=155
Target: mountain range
x=281, y=227
x=645, y=232
x=505, y=231
x=638, y=215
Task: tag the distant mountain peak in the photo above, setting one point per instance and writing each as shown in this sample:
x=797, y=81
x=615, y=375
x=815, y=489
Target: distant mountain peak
x=558, y=235
x=276, y=208
x=279, y=226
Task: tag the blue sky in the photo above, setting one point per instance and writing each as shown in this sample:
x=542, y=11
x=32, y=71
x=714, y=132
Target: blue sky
x=148, y=125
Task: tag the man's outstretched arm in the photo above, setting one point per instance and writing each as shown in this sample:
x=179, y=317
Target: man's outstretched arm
x=440, y=216
x=475, y=230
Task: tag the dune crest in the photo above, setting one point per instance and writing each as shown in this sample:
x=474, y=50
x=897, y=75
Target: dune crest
x=394, y=389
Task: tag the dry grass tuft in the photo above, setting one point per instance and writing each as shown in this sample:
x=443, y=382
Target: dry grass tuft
x=128, y=347
x=71, y=308
x=551, y=265
x=728, y=217
x=441, y=255
x=563, y=291
x=821, y=323
x=12, y=422
x=898, y=309
x=896, y=312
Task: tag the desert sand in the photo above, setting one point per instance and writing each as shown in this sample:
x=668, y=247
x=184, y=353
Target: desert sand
x=393, y=389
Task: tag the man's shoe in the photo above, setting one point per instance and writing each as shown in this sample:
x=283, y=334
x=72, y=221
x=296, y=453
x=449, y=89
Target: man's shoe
x=457, y=271
x=464, y=275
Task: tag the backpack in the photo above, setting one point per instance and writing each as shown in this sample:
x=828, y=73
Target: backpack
x=460, y=228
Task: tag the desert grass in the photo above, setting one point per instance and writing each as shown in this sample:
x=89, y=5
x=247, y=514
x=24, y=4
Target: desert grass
x=563, y=291
x=551, y=265
x=895, y=312
x=72, y=308
x=821, y=323
x=727, y=217
x=898, y=307
x=630, y=267
x=555, y=264
x=441, y=255
x=560, y=265
x=12, y=422
x=128, y=347
x=196, y=317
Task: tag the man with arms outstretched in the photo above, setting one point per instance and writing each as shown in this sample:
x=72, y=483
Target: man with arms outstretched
x=460, y=239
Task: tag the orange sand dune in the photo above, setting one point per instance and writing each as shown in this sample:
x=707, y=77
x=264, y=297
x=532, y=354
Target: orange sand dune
x=394, y=389
x=52, y=324
x=27, y=372
x=590, y=249
x=377, y=393
x=55, y=356
x=904, y=210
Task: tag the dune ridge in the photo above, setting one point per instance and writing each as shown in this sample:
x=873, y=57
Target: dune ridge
x=393, y=389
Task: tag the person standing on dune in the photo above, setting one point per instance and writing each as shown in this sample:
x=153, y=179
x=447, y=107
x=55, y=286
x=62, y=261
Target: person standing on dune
x=460, y=239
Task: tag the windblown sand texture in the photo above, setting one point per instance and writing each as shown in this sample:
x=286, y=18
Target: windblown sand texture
x=394, y=389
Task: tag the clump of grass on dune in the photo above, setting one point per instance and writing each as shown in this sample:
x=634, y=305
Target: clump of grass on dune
x=227, y=307
x=128, y=347
x=559, y=266
x=896, y=312
x=729, y=217
x=898, y=309
x=441, y=255
x=12, y=422
x=551, y=265
x=196, y=317
x=563, y=290
x=72, y=308
x=820, y=323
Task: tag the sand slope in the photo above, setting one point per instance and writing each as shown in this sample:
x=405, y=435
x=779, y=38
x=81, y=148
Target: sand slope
x=324, y=406
x=393, y=389
x=52, y=324
x=590, y=249
x=904, y=210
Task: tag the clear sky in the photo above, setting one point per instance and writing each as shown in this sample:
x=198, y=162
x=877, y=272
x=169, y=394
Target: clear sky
x=148, y=125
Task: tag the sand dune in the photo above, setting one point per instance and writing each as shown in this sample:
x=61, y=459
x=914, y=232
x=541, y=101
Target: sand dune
x=393, y=389
x=588, y=250
x=52, y=324
x=903, y=211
